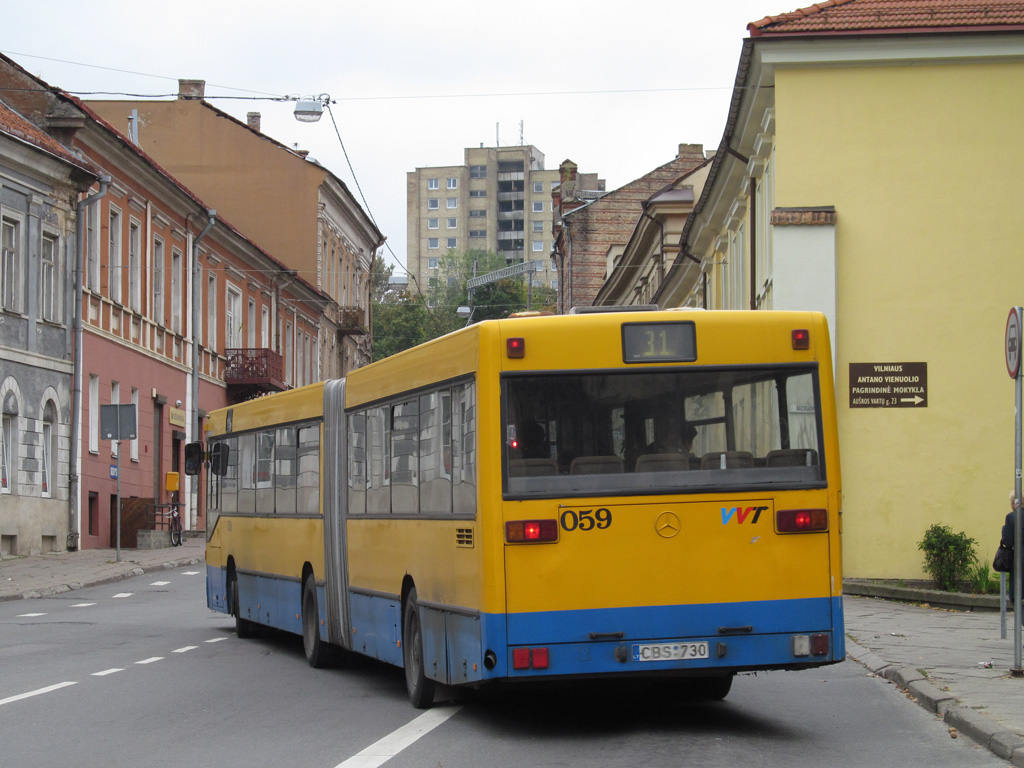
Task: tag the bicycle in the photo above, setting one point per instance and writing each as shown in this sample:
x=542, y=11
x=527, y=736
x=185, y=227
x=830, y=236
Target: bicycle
x=175, y=524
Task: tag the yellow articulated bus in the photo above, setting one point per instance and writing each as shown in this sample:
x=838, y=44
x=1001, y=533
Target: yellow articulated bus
x=604, y=494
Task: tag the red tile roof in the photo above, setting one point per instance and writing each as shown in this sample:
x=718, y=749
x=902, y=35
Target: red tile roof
x=894, y=17
x=18, y=127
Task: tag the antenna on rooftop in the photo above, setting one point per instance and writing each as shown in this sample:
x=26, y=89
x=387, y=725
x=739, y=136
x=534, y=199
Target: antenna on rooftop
x=520, y=133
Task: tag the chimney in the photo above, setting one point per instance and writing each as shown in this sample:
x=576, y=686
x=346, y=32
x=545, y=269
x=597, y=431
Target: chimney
x=253, y=119
x=191, y=89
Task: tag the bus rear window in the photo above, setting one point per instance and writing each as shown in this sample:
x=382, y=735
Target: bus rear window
x=664, y=431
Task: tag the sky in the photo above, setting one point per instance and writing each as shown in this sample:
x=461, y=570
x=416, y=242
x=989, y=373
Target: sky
x=615, y=87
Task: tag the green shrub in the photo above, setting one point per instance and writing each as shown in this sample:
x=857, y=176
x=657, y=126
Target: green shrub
x=948, y=556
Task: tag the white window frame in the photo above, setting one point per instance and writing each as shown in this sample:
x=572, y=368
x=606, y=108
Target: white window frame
x=8, y=423
x=94, y=413
x=12, y=269
x=232, y=317
x=538, y=187
x=433, y=243
x=50, y=293
x=250, y=320
x=433, y=184
x=451, y=222
x=114, y=254
x=159, y=284
x=92, y=245
x=134, y=265
x=211, y=310
x=177, y=260
x=115, y=399
x=453, y=183
x=264, y=327
x=133, y=445
x=453, y=243
x=432, y=262
x=451, y=202
x=538, y=246
x=433, y=224
x=433, y=203
x=538, y=207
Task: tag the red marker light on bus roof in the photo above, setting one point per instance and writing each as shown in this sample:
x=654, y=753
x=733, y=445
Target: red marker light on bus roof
x=515, y=347
x=801, y=338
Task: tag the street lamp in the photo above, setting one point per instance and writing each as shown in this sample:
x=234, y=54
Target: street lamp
x=312, y=109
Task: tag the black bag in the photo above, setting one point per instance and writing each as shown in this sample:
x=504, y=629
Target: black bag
x=1003, y=562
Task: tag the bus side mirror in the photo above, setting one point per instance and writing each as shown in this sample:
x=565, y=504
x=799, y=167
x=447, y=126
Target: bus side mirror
x=193, y=458
x=219, y=454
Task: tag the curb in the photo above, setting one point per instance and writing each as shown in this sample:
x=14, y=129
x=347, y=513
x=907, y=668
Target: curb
x=962, y=601
x=976, y=726
x=60, y=589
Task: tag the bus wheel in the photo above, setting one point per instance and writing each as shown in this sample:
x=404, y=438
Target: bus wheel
x=243, y=627
x=316, y=650
x=710, y=688
x=421, y=690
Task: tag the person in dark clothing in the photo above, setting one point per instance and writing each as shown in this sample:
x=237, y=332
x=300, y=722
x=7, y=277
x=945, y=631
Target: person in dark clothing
x=1006, y=539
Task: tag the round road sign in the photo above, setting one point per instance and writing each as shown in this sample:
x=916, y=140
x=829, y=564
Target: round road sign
x=1013, y=342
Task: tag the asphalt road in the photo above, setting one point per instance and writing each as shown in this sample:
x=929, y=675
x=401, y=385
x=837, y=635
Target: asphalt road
x=140, y=673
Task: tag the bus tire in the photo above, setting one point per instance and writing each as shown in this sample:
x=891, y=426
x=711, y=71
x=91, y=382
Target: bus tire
x=243, y=627
x=315, y=648
x=421, y=690
x=710, y=688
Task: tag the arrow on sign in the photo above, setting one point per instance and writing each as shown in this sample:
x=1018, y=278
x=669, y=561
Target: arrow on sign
x=916, y=400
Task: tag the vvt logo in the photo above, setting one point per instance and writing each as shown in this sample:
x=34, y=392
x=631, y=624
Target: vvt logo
x=741, y=514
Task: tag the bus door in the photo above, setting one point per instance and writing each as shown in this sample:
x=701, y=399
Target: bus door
x=334, y=506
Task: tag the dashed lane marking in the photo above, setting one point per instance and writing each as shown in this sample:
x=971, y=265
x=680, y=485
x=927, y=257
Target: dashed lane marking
x=123, y=594
x=47, y=689
x=215, y=640
x=186, y=649
x=29, y=615
x=82, y=605
x=159, y=583
x=381, y=751
x=106, y=672
x=150, y=660
x=190, y=573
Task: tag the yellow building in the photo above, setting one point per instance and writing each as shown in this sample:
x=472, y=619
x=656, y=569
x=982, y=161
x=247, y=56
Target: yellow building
x=870, y=169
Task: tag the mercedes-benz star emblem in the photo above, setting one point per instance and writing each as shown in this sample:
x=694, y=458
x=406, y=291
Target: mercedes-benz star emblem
x=667, y=525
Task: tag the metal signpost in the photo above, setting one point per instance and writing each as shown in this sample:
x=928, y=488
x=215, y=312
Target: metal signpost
x=117, y=423
x=1013, y=351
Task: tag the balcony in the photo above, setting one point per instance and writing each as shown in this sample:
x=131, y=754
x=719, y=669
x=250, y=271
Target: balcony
x=351, y=321
x=253, y=372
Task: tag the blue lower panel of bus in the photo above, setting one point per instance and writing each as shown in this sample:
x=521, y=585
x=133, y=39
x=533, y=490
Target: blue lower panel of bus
x=755, y=635
x=269, y=600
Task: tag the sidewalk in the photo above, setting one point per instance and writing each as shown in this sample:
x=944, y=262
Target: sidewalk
x=51, y=574
x=952, y=662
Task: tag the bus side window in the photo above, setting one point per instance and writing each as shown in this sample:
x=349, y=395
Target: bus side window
x=308, y=470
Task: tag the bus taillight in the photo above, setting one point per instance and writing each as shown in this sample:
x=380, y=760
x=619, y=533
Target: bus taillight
x=801, y=339
x=801, y=520
x=529, y=658
x=531, y=531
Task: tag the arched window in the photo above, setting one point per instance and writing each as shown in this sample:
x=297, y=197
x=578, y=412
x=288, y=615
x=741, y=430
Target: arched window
x=47, y=478
x=8, y=441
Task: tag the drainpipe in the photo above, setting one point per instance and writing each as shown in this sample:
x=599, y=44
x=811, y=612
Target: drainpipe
x=76, y=374
x=661, y=244
x=196, y=294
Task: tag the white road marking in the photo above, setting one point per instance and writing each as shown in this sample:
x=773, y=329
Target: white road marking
x=106, y=672
x=186, y=649
x=30, y=615
x=123, y=594
x=190, y=573
x=381, y=751
x=150, y=660
x=215, y=640
x=21, y=696
x=82, y=605
x=159, y=583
